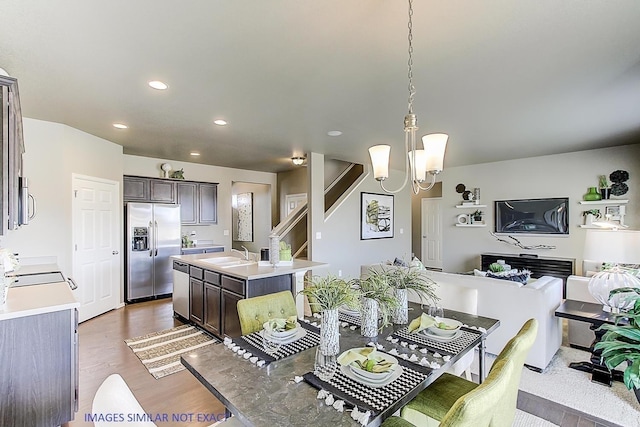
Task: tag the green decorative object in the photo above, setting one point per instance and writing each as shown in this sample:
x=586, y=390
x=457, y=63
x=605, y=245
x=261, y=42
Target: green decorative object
x=592, y=195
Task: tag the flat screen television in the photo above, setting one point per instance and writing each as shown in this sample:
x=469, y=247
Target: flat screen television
x=532, y=216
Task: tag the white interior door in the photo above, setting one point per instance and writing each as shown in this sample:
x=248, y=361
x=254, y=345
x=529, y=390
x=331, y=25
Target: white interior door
x=96, y=240
x=432, y=232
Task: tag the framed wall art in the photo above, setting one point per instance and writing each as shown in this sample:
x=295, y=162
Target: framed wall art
x=376, y=216
x=245, y=217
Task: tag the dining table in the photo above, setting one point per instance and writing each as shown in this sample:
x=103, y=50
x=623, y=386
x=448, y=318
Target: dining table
x=285, y=391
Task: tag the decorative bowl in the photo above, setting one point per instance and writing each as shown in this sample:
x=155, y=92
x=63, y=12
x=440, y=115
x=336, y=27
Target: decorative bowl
x=444, y=327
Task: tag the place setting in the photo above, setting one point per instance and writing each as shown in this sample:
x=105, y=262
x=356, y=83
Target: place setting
x=437, y=333
x=279, y=338
x=365, y=377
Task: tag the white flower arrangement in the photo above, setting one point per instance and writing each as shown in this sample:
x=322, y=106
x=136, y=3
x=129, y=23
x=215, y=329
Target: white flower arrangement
x=8, y=261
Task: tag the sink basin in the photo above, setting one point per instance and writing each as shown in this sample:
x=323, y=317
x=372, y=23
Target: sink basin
x=222, y=259
x=227, y=261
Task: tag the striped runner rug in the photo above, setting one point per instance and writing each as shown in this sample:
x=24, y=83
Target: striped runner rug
x=160, y=352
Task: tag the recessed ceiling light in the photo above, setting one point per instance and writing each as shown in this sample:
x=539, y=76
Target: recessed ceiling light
x=220, y=122
x=120, y=126
x=157, y=84
x=194, y=153
x=334, y=133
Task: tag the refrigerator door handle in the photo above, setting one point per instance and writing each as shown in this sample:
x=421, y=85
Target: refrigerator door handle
x=156, y=238
x=151, y=243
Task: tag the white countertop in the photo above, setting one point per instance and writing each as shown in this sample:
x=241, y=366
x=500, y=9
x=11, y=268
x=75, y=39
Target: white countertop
x=249, y=271
x=38, y=299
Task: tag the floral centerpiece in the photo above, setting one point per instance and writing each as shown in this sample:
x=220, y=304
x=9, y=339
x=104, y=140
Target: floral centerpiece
x=327, y=294
x=377, y=299
x=403, y=279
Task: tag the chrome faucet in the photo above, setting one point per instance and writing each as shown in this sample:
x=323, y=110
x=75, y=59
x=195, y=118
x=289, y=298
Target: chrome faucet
x=246, y=252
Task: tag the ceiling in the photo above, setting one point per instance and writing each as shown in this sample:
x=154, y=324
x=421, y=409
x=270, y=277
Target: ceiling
x=505, y=79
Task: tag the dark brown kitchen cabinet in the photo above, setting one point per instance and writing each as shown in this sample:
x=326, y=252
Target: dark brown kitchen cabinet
x=187, y=198
x=142, y=189
x=198, y=203
x=196, y=300
x=12, y=149
x=230, y=319
x=212, y=298
x=39, y=361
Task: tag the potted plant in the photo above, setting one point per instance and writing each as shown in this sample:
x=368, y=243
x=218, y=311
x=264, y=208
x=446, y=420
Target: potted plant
x=376, y=298
x=403, y=279
x=591, y=215
x=477, y=216
x=326, y=294
x=605, y=186
x=621, y=343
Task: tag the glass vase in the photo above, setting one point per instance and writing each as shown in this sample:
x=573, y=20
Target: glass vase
x=400, y=315
x=369, y=318
x=329, y=332
x=592, y=195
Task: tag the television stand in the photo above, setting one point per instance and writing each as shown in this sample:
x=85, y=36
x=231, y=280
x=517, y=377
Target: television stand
x=538, y=265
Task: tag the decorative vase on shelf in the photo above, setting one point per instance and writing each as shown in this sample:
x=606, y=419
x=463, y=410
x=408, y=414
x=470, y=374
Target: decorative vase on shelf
x=605, y=193
x=369, y=317
x=592, y=195
x=329, y=332
x=400, y=315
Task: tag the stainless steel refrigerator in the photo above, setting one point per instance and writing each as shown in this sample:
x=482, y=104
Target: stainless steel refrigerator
x=152, y=236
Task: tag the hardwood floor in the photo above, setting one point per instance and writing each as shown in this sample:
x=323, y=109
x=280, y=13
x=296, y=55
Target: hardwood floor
x=103, y=352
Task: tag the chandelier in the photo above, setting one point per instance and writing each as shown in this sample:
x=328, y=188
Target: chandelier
x=418, y=162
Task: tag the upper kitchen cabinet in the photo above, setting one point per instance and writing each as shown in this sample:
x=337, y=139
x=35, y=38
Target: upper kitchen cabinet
x=12, y=151
x=142, y=189
x=198, y=203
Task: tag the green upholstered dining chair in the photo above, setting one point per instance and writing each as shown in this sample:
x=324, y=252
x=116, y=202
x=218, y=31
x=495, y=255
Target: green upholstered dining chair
x=454, y=401
x=254, y=312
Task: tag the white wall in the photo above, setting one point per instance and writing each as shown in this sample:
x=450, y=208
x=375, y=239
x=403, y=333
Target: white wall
x=562, y=175
x=341, y=246
x=221, y=232
x=53, y=152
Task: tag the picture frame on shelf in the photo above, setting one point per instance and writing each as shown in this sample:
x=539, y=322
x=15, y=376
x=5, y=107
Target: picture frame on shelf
x=376, y=216
x=612, y=212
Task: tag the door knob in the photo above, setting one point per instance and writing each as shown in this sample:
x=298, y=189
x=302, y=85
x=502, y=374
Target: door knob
x=115, y=253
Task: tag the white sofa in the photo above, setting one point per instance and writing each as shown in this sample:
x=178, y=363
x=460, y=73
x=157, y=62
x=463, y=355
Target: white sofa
x=511, y=304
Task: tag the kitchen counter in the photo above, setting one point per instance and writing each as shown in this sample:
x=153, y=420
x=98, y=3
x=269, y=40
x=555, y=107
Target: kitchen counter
x=249, y=271
x=38, y=299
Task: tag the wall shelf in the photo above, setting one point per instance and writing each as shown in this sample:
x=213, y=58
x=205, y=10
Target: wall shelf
x=605, y=202
x=471, y=225
x=470, y=206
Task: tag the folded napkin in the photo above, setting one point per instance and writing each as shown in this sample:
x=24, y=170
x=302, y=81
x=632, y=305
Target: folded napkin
x=279, y=325
x=353, y=355
x=420, y=323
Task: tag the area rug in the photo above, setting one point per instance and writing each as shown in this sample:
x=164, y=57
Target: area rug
x=573, y=388
x=160, y=352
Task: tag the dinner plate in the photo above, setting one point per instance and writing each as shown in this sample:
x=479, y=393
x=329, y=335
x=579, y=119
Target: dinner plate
x=378, y=378
x=346, y=370
x=349, y=312
x=434, y=337
x=300, y=333
x=284, y=334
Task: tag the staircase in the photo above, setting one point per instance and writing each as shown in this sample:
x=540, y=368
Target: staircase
x=293, y=229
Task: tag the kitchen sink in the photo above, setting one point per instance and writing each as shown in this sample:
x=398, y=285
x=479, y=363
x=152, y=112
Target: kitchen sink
x=227, y=261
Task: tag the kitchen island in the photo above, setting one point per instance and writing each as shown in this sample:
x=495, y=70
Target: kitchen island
x=216, y=282
x=39, y=357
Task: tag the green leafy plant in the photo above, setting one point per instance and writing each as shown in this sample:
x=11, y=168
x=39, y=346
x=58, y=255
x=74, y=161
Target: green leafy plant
x=621, y=343
x=329, y=293
x=378, y=287
x=411, y=278
x=603, y=182
x=477, y=214
x=494, y=267
x=595, y=212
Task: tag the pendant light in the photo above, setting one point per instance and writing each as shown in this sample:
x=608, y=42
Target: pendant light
x=418, y=162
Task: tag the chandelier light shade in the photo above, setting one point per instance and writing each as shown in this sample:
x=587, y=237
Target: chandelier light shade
x=418, y=162
x=615, y=247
